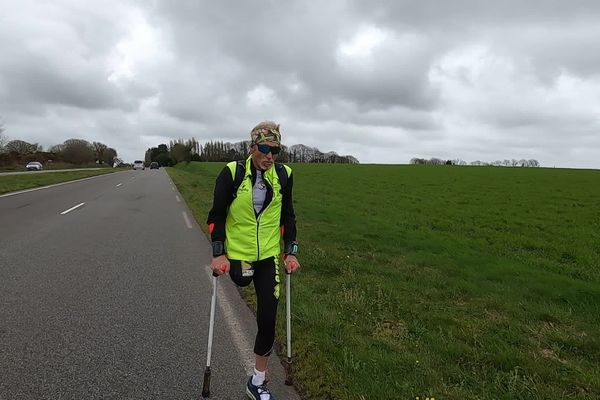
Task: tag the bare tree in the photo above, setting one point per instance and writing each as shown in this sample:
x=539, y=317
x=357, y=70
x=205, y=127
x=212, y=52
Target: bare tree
x=180, y=152
x=109, y=156
x=187, y=150
x=478, y=163
x=306, y=154
x=3, y=139
x=99, y=149
x=77, y=151
x=57, y=148
x=21, y=147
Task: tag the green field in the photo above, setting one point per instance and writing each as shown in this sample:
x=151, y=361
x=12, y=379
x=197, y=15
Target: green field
x=440, y=282
x=13, y=183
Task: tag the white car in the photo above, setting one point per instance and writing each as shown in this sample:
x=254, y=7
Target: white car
x=34, y=166
x=137, y=164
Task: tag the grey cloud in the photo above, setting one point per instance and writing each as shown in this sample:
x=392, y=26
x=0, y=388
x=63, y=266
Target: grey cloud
x=461, y=14
x=41, y=84
x=555, y=48
x=214, y=69
x=269, y=45
x=57, y=54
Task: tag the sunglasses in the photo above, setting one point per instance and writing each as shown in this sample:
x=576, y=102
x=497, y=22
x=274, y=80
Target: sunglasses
x=266, y=149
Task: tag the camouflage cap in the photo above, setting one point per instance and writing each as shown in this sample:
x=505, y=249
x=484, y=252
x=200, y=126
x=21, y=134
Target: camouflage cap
x=266, y=131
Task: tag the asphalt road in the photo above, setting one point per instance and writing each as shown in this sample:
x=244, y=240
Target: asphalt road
x=111, y=299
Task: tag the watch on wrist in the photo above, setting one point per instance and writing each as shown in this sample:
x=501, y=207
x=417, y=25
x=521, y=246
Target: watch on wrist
x=291, y=249
x=218, y=249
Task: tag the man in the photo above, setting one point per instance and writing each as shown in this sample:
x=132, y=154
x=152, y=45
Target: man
x=252, y=209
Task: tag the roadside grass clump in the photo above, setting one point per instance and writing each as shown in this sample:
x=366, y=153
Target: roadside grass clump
x=443, y=282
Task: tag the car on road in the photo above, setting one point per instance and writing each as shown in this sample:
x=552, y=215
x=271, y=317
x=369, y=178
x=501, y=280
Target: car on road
x=34, y=166
x=154, y=165
x=137, y=164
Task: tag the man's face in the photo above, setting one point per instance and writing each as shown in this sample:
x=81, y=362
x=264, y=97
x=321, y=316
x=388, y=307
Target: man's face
x=263, y=161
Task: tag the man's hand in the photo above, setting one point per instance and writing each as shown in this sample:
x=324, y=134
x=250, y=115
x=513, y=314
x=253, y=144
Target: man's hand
x=291, y=264
x=220, y=265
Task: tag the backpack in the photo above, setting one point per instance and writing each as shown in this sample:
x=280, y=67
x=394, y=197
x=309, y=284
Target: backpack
x=240, y=171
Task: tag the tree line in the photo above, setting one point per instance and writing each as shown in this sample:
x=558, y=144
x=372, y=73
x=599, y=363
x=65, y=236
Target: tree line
x=498, y=163
x=219, y=151
x=79, y=152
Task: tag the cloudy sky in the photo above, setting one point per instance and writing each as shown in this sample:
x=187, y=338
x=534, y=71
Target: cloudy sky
x=384, y=81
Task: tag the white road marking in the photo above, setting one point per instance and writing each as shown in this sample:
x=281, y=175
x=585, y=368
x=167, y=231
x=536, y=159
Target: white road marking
x=71, y=209
x=236, y=330
x=187, y=220
x=119, y=185
x=177, y=197
x=173, y=188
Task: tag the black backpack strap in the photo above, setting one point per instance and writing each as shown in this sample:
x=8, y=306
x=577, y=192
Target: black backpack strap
x=240, y=171
x=282, y=175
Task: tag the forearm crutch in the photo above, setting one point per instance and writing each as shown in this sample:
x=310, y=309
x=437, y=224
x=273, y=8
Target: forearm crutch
x=213, y=303
x=288, y=312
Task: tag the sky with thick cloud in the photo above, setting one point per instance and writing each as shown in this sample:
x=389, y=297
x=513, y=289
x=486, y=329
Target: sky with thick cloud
x=384, y=81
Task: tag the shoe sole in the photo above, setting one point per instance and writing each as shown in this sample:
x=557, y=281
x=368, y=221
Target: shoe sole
x=250, y=394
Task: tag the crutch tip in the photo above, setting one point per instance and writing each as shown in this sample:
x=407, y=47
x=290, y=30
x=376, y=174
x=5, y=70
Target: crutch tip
x=206, y=384
x=288, y=372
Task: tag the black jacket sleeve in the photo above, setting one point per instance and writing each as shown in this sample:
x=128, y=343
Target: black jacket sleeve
x=288, y=217
x=222, y=199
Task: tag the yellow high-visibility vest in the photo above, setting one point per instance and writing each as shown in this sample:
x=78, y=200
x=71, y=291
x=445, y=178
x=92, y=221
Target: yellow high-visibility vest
x=247, y=237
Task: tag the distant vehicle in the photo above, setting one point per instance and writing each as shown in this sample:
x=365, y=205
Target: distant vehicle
x=137, y=164
x=154, y=165
x=34, y=166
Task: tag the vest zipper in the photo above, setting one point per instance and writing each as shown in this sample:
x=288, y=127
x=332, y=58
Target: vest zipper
x=257, y=240
x=259, y=215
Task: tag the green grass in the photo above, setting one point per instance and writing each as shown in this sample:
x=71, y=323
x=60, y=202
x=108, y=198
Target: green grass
x=13, y=183
x=444, y=282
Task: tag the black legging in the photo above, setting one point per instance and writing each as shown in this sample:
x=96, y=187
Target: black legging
x=266, y=286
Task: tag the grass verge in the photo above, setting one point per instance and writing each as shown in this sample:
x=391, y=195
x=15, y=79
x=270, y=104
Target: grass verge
x=447, y=283
x=14, y=183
